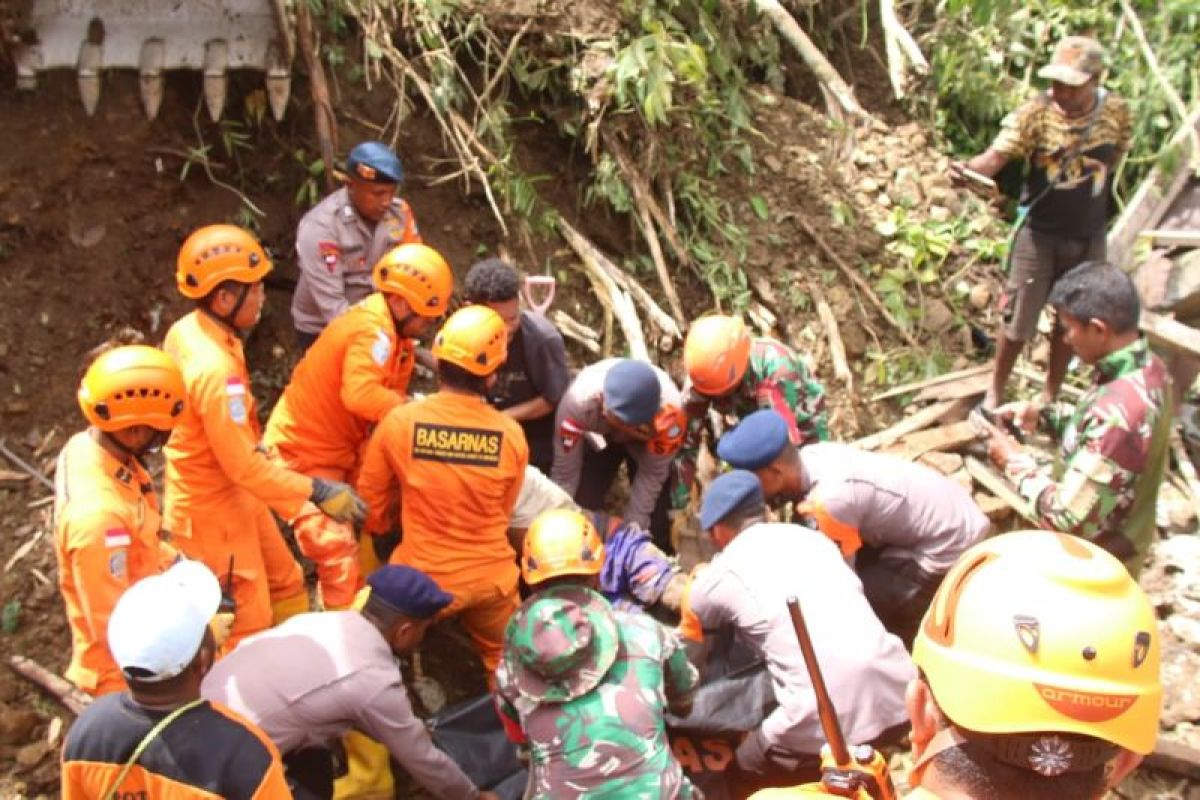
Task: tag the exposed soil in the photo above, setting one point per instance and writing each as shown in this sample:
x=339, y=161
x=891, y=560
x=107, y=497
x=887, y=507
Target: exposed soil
x=92, y=212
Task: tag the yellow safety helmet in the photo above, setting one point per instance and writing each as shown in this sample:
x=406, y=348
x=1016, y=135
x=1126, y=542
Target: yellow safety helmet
x=716, y=353
x=1036, y=631
x=419, y=274
x=561, y=542
x=217, y=253
x=473, y=338
x=132, y=385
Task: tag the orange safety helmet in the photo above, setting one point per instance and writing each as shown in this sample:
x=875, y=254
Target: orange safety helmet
x=716, y=353
x=217, y=253
x=670, y=430
x=473, y=338
x=561, y=542
x=132, y=385
x=419, y=274
x=1074, y=649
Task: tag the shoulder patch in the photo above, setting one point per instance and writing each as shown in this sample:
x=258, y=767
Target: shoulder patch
x=330, y=252
x=117, y=564
x=235, y=393
x=381, y=350
x=117, y=537
x=569, y=433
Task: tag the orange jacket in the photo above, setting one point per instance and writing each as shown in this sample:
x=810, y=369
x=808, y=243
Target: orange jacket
x=458, y=465
x=355, y=372
x=208, y=752
x=214, y=447
x=106, y=537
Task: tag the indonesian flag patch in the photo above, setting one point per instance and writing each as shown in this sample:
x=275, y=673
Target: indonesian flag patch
x=117, y=537
x=569, y=433
x=235, y=393
x=330, y=253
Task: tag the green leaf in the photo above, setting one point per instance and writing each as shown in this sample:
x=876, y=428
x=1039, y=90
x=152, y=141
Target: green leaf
x=759, y=204
x=10, y=616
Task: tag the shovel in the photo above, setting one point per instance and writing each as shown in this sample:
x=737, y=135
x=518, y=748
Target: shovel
x=534, y=283
x=428, y=691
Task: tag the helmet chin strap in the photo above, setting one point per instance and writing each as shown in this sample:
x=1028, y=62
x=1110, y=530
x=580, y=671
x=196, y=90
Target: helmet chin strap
x=227, y=319
x=152, y=445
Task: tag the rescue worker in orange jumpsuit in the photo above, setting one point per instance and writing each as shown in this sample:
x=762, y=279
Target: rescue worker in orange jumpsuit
x=107, y=521
x=458, y=465
x=220, y=486
x=357, y=370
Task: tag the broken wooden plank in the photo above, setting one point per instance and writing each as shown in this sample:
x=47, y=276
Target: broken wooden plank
x=1166, y=332
x=970, y=386
x=62, y=689
x=990, y=478
x=1175, y=757
x=992, y=507
x=945, y=437
x=1039, y=377
x=946, y=378
x=930, y=415
x=945, y=463
x=1172, y=238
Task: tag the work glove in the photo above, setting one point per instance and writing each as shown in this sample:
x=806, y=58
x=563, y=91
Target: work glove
x=338, y=500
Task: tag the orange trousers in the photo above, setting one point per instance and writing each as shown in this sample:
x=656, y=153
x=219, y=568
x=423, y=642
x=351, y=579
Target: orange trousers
x=330, y=545
x=484, y=600
x=264, y=570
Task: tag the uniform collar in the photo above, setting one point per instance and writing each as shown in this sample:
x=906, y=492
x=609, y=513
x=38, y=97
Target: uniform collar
x=129, y=475
x=218, y=333
x=1121, y=362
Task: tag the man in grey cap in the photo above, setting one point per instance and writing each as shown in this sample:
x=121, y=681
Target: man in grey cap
x=761, y=565
x=1072, y=135
x=617, y=411
x=340, y=238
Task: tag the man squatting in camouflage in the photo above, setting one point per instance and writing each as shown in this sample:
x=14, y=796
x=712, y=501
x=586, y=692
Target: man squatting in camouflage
x=1114, y=441
x=772, y=376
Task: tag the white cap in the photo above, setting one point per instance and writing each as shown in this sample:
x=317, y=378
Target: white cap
x=159, y=622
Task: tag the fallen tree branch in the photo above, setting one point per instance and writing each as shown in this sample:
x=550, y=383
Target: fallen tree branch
x=907, y=388
x=1173, y=98
x=607, y=289
x=858, y=281
x=63, y=690
x=326, y=121
x=902, y=50
x=827, y=76
x=573, y=329
x=25, y=466
x=952, y=410
x=837, y=350
x=994, y=482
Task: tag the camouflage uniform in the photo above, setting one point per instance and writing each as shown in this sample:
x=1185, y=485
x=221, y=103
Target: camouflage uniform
x=1113, y=451
x=590, y=703
x=776, y=377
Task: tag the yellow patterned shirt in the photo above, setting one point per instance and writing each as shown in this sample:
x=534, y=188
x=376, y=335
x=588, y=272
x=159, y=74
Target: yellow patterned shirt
x=1071, y=161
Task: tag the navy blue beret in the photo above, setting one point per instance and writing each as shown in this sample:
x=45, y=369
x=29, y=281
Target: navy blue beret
x=756, y=441
x=375, y=161
x=731, y=492
x=407, y=590
x=632, y=392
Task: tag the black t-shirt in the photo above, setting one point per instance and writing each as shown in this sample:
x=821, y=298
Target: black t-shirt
x=536, y=367
x=1071, y=162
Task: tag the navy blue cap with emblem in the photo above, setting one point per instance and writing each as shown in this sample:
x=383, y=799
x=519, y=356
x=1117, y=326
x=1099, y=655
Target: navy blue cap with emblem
x=408, y=590
x=734, y=491
x=756, y=441
x=632, y=392
x=375, y=162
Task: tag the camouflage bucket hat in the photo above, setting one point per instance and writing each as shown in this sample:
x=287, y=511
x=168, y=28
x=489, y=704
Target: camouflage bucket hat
x=560, y=644
x=1076, y=60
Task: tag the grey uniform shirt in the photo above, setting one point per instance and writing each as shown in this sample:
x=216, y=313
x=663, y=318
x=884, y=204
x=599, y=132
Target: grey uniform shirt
x=317, y=676
x=905, y=509
x=580, y=412
x=865, y=668
x=336, y=250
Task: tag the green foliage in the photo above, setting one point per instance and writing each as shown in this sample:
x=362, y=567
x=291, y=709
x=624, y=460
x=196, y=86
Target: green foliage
x=309, y=190
x=10, y=616
x=985, y=55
